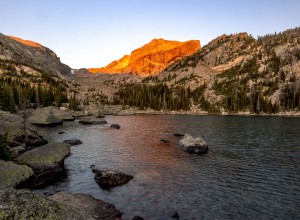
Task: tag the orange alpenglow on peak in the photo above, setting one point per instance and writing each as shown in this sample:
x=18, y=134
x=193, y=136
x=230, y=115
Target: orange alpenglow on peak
x=27, y=42
x=151, y=58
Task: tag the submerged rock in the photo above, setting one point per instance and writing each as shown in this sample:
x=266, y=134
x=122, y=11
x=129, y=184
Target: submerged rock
x=107, y=179
x=12, y=175
x=116, y=126
x=137, y=218
x=92, y=121
x=46, y=161
x=178, y=135
x=23, y=204
x=164, y=140
x=73, y=141
x=193, y=145
x=88, y=206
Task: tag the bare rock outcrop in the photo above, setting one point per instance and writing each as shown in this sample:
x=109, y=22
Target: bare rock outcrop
x=32, y=54
x=151, y=58
x=89, y=207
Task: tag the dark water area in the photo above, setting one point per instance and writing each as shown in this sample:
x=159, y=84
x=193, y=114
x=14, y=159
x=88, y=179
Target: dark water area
x=251, y=171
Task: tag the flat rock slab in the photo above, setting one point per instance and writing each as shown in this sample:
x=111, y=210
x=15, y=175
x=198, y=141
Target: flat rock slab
x=88, y=206
x=193, y=145
x=23, y=204
x=45, y=120
x=92, y=121
x=12, y=175
x=73, y=141
x=46, y=161
x=107, y=179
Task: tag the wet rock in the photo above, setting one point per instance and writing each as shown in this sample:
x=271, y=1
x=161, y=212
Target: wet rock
x=116, y=126
x=137, y=218
x=12, y=175
x=92, y=121
x=46, y=161
x=107, y=179
x=178, y=135
x=61, y=132
x=23, y=204
x=73, y=141
x=13, y=126
x=88, y=206
x=165, y=141
x=193, y=145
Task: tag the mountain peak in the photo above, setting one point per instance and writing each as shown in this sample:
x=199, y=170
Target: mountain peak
x=151, y=58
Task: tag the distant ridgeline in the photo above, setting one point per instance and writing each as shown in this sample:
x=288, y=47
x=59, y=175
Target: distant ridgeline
x=232, y=73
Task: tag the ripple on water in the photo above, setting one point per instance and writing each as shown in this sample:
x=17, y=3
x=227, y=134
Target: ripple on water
x=251, y=169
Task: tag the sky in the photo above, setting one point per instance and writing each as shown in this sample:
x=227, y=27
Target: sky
x=92, y=33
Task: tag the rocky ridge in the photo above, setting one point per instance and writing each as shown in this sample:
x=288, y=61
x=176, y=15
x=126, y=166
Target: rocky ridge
x=32, y=54
x=151, y=58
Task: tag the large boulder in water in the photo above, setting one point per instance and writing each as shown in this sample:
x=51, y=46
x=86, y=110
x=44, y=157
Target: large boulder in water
x=23, y=204
x=90, y=120
x=12, y=175
x=13, y=126
x=46, y=161
x=88, y=206
x=107, y=179
x=45, y=117
x=193, y=145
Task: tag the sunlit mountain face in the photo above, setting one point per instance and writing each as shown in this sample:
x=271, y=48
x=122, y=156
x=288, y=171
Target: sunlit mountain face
x=151, y=58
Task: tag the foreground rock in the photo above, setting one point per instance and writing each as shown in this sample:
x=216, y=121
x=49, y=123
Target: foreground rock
x=92, y=121
x=87, y=205
x=13, y=126
x=193, y=145
x=46, y=161
x=22, y=204
x=107, y=179
x=73, y=141
x=12, y=175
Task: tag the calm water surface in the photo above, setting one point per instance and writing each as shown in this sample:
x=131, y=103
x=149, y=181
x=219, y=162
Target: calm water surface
x=251, y=171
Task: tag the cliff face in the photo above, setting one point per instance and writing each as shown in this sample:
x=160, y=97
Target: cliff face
x=32, y=54
x=151, y=58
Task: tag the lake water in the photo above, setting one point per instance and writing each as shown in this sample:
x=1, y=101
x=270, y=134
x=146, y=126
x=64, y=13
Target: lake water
x=251, y=171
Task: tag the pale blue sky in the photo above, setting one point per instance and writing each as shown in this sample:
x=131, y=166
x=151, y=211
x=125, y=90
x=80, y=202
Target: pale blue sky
x=92, y=33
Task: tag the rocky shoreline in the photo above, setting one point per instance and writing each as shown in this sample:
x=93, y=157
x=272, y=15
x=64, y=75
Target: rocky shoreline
x=37, y=163
x=32, y=162
x=127, y=111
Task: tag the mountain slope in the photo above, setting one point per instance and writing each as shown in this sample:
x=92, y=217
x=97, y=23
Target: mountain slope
x=151, y=58
x=232, y=73
x=32, y=54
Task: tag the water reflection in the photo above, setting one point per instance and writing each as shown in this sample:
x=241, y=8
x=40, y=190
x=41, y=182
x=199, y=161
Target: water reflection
x=251, y=169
